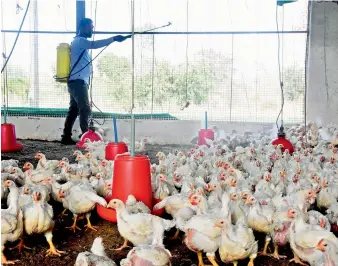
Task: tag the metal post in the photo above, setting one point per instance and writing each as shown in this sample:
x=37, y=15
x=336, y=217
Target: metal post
x=232, y=74
x=132, y=152
x=152, y=79
x=36, y=81
x=80, y=12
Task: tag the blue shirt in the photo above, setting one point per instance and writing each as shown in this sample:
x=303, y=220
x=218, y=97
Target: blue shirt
x=76, y=48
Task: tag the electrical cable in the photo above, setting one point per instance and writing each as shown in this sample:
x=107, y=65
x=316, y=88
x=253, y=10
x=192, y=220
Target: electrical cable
x=279, y=72
x=17, y=37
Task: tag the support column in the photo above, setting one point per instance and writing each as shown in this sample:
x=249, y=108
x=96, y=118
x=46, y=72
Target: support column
x=80, y=12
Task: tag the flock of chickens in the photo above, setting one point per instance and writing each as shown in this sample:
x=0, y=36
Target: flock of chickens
x=217, y=195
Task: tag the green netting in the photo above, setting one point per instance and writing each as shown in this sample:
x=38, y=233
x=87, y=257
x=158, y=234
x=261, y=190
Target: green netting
x=61, y=112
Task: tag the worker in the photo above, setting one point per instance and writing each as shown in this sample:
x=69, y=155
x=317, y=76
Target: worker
x=78, y=82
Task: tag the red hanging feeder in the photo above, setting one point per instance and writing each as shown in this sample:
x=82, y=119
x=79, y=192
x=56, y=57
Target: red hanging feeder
x=131, y=176
x=287, y=145
x=91, y=134
x=112, y=149
x=8, y=139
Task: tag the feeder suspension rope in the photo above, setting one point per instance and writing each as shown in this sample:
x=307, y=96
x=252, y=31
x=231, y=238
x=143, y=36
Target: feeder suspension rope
x=17, y=37
x=280, y=69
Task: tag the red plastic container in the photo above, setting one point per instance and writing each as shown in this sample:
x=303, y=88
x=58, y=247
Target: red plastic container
x=205, y=134
x=92, y=135
x=8, y=139
x=113, y=149
x=286, y=144
x=131, y=176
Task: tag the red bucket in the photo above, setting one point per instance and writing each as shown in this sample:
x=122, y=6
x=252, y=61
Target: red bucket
x=113, y=149
x=205, y=134
x=131, y=176
x=8, y=139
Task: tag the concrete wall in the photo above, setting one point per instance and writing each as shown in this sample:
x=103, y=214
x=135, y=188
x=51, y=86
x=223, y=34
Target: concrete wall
x=161, y=132
x=322, y=93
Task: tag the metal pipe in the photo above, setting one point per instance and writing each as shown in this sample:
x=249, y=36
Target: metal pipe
x=132, y=152
x=115, y=130
x=164, y=32
x=80, y=12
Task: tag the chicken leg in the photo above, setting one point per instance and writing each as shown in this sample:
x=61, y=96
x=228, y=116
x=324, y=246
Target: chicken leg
x=266, y=244
x=124, y=245
x=74, y=227
x=212, y=260
x=200, y=259
x=89, y=224
x=20, y=246
x=63, y=213
x=52, y=249
x=251, y=261
x=297, y=260
x=5, y=261
x=175, y=235
x=276, y=255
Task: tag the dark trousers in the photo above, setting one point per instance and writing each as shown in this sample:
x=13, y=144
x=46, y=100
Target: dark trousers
x=79, y=105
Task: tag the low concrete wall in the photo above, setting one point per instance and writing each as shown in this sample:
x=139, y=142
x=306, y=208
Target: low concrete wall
x=161, y=132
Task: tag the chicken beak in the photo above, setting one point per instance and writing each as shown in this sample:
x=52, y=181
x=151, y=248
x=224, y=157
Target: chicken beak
x=248, y=201
x=25, y=167
x=218, y=224
x=25, y=191
x=322, y=223
x=36, y=196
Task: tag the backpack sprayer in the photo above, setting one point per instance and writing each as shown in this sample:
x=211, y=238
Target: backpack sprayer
x=63, y=64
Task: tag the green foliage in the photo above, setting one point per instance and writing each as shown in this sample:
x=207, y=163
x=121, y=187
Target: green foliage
x=170, y=82
x=18, y=82
x=294, y=83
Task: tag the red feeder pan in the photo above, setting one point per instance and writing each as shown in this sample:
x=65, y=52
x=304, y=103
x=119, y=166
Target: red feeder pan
x=131, y=176
x=205, y=134
x=110, y=214
x=113, y=149
x=8, y=139
x=92, y=135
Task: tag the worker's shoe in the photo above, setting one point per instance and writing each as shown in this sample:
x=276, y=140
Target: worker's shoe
x=67, y=141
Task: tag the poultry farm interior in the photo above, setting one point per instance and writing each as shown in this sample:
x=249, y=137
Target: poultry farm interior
x=241, y=200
